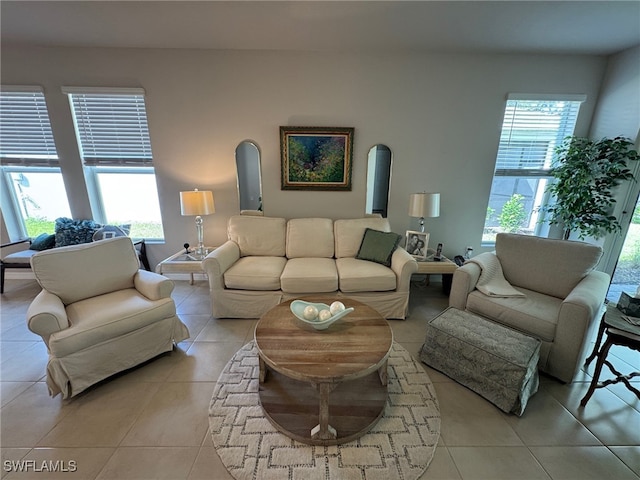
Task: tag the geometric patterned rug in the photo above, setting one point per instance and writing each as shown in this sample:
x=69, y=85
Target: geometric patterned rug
x=400, y=446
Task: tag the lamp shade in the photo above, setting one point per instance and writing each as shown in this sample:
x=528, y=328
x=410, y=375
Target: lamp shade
x=424, y=205
x=197, y=202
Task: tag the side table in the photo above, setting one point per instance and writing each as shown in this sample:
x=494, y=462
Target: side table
x=445, y=267
x=181, y=262
x=619, y=332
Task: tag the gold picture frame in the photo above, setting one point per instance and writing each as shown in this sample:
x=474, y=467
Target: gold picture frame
x=316, y=158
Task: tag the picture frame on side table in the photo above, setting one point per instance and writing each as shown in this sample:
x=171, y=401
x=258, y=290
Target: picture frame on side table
x=316, y=158
x=416, y=244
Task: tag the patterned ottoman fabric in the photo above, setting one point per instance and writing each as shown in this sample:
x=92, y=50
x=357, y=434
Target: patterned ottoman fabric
x=494, y=361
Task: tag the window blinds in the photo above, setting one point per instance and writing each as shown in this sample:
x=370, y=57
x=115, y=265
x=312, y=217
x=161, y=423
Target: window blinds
x=531, y=130
x=111, y=126
x=25, y=129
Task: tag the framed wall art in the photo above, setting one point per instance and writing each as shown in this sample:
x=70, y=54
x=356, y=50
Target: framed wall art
x=316, y=158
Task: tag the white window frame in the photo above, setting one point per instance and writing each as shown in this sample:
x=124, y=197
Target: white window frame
x=34, y=151
x=530, y=134
x=134, y=158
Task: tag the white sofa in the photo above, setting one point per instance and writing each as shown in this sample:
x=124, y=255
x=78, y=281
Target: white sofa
x=563, y=296
x=268, y=260
x=99, y=314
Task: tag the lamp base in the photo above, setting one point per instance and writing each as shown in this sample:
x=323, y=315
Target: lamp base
x=200, y=252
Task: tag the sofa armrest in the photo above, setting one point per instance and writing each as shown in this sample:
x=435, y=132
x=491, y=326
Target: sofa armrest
x=218, y=262
x=403, y=265
x=576, y=319
x=46, y=315
x=153, y=285
x=465, y=279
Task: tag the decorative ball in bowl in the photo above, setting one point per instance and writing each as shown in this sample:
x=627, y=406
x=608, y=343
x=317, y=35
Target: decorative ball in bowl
x=319, y=315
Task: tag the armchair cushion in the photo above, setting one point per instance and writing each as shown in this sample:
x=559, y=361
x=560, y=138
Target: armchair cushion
x=545, y=265
x=534, y=313
x=105, y=317
x=113, y=262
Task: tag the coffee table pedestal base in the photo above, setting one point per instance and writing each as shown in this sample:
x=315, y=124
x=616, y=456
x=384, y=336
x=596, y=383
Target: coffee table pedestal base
x=303, y=411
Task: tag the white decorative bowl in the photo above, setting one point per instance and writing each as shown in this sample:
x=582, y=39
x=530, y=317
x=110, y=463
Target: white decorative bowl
x=298, y=306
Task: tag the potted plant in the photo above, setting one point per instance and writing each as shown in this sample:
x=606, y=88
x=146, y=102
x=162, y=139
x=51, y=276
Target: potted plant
x=586, y=174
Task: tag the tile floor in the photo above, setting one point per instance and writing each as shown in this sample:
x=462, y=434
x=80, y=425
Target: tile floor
x=151, y=422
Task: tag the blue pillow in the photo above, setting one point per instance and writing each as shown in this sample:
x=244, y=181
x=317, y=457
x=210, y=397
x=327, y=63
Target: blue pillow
x=73, y=232
x=44, y=241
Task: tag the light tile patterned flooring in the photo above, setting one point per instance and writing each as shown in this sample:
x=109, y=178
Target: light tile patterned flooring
x=152, y=421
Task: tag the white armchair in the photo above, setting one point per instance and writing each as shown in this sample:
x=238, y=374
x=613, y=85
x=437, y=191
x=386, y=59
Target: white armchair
x=99, y=314
x=563, y=296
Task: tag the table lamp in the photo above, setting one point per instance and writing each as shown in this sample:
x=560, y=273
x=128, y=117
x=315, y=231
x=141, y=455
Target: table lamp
x=198, y=203
x=424, y=205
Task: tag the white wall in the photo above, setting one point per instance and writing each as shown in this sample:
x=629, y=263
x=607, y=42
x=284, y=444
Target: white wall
x=440, y=115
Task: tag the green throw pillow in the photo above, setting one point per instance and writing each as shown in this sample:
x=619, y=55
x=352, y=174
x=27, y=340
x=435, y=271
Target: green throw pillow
x=44, y=241
x=378, y=246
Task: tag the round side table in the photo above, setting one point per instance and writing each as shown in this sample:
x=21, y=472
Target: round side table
x=323, y=387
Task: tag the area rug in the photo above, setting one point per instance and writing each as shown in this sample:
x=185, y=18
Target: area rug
x=400, y=446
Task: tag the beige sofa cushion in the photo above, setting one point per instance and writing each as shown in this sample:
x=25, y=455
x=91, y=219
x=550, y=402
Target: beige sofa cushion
x=255, y=273
x=349, y=233
x=310, y=237
x=535, y=314
x=258, y=236
x=106, y=317
x=309, y=275
x=114, y=262
x=364, y=276
x=545, y=265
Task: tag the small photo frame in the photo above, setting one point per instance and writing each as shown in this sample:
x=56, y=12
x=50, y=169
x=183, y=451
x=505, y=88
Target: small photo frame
x=416, y=244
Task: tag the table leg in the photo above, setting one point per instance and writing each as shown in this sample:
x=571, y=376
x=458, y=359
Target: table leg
x=447, y=279
x=263, y=370
x=598, y=340
x=192, y=281
x=324, y=431
x=383, y=374
x=602, y=355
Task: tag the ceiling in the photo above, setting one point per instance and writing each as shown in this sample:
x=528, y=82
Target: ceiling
x=564, y=27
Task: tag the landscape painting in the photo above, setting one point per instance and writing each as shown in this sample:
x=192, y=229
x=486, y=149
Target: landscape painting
x=316, y=158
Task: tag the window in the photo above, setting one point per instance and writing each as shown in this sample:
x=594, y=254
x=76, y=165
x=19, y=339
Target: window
x=532, y=128
x=33, y=193
x=113, y=137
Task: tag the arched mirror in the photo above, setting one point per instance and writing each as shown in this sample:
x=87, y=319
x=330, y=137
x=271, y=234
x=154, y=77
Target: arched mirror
x=378, y=180
x=249, y=176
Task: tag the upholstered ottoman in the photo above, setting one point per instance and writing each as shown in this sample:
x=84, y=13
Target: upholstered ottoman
x=494, y=361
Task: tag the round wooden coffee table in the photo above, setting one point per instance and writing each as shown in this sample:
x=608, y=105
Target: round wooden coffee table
x=323, y=387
